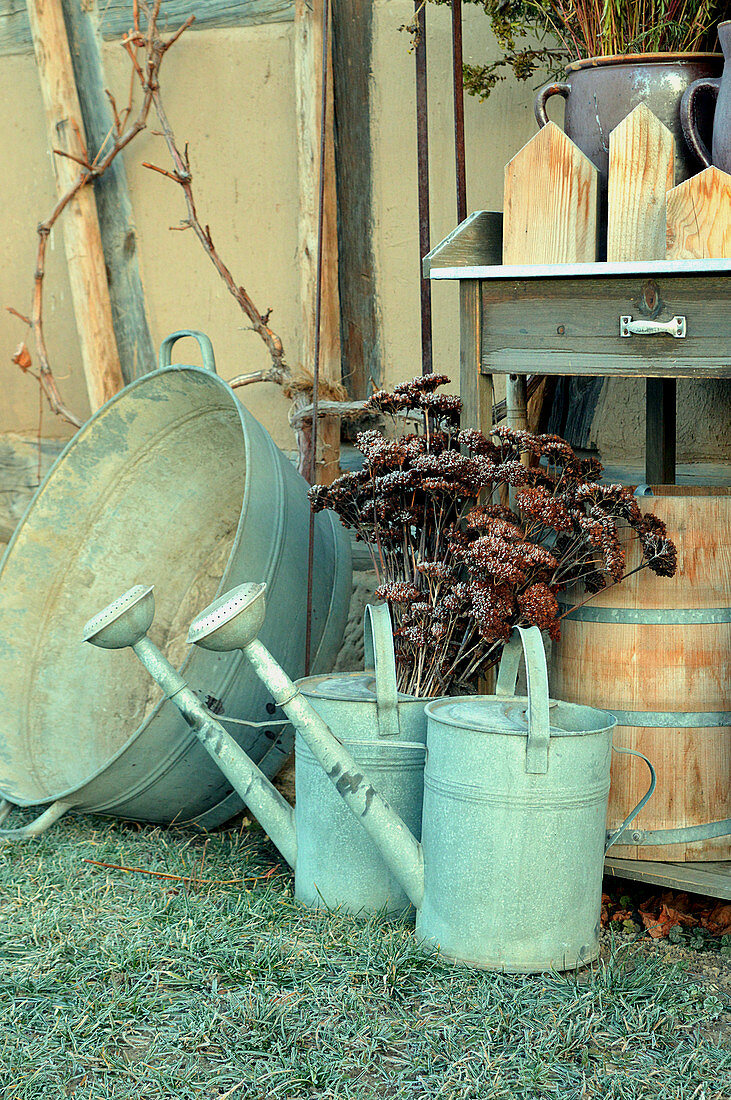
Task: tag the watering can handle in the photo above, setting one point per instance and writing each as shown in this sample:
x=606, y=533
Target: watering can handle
x=204, y=343
x=33, y=828
x=378, y=653
x=528, y=643
x=612, y=838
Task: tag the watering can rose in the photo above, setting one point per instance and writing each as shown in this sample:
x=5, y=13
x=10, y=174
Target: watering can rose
x=459, y=574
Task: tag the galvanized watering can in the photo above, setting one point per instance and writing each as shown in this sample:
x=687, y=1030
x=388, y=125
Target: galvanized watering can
x=336, y=863
x=174, y=480
x=508, y=875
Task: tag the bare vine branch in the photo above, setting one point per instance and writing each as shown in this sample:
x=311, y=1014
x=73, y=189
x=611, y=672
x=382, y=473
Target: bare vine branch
x=154, y=49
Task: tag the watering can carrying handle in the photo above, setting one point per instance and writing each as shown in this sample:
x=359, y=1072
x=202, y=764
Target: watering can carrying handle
x=204, y=343
x=378, y=654
x=34, y=828
x=528, y=643
x=612, y=838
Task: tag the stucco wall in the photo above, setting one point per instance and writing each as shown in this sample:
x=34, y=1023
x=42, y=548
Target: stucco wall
x=230, y=93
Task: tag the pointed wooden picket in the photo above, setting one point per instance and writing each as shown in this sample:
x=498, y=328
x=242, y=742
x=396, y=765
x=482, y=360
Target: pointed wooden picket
x=641, y=172
x=699, y=217
x=550, y=202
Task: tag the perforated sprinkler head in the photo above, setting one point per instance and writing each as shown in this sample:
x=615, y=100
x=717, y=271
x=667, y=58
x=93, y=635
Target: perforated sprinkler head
x=232, y=621
x=123, y=622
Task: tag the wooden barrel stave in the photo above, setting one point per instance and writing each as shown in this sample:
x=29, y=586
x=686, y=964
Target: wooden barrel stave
x=659, y=668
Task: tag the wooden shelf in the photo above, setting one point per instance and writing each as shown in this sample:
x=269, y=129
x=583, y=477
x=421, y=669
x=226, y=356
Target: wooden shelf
x=713, y=879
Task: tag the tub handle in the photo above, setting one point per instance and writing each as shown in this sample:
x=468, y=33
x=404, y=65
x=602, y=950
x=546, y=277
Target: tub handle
x=528, y=643
x=34, y=828
x=378, y=654
x=612, y=838
x=204, y=343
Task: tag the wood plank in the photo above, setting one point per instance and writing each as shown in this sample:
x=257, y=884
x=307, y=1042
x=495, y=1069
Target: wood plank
x=712, y=879
x=641, y=172
x=15, y=34
x=360, y=317
x=475, y=388
x=550, y=202
x=699, y=217
x=116, y=221
x=308, y=83
x=550, y=216
x=571, y=326
x=82, y=238
x=476, y=240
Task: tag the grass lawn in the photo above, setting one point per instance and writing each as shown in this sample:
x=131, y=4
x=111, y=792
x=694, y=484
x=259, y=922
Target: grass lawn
x=130, y=986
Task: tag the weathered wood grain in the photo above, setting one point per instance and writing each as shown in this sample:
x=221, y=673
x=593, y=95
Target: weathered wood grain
x=550, y=216
x=550, y=202
x=475, y=388
x=82, y=238
x=308, y=82
x=571, y=326
x=360, y=316
x=664, y=667
x=116, y=222
x=699, y=217
x=476, y=240
x=15, y=34
x=713, y=879
x=641, y=172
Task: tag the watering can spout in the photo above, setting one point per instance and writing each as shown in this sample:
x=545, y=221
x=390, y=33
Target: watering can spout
x=125, y=623
x=232, y=622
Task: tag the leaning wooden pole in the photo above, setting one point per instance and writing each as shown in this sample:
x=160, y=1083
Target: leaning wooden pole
x=82, y=238
x=116, y=222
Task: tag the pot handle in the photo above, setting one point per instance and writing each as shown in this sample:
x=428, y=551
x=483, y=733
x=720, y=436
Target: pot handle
x=34, y=828
x=688, y=118
x=612, y=838
x=204, y=343
x=528, y=643
x=378, y=654
x=542, y=98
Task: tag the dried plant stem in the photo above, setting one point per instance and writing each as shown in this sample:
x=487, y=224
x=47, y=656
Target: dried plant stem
x=181, y=174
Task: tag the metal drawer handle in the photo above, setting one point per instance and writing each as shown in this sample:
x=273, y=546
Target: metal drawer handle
x=674, y=327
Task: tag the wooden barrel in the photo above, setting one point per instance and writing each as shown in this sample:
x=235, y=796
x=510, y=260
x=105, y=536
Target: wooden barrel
x=656, y=651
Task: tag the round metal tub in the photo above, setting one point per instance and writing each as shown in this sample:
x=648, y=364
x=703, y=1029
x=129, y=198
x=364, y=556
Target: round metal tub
x=172, y=483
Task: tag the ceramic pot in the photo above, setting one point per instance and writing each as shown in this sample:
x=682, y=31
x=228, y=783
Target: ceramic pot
x=692, y=110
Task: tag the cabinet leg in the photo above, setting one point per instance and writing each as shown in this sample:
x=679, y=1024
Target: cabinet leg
x=660, y=395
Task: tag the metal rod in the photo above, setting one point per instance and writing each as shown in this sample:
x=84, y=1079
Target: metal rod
x=318, y=316
x=422, y=159
x=458, y=84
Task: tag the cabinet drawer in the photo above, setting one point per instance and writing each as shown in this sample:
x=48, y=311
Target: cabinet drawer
x=571, y=325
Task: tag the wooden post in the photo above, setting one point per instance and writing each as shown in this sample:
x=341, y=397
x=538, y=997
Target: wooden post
x=82, y=238
x=360, y=321
x=550, y=217
x=119, y=239
x=308, y=76
x=641, y=171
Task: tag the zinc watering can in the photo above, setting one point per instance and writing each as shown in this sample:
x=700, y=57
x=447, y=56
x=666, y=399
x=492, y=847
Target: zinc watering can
x=335, y=861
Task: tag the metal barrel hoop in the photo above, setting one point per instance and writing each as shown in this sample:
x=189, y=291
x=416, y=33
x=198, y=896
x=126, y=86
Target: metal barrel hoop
x=378, y=653
x=528, y=643
x=613, y=837
x=204, y=343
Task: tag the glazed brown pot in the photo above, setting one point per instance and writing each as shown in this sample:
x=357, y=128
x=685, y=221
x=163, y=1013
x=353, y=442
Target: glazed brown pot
x=691, y=116
x=601, y=91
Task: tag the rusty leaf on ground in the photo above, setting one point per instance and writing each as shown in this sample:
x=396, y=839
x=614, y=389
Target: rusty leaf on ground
x=660, y=913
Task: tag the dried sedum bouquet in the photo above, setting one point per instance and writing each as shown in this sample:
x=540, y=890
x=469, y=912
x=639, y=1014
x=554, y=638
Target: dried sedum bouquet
x=459, y=574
